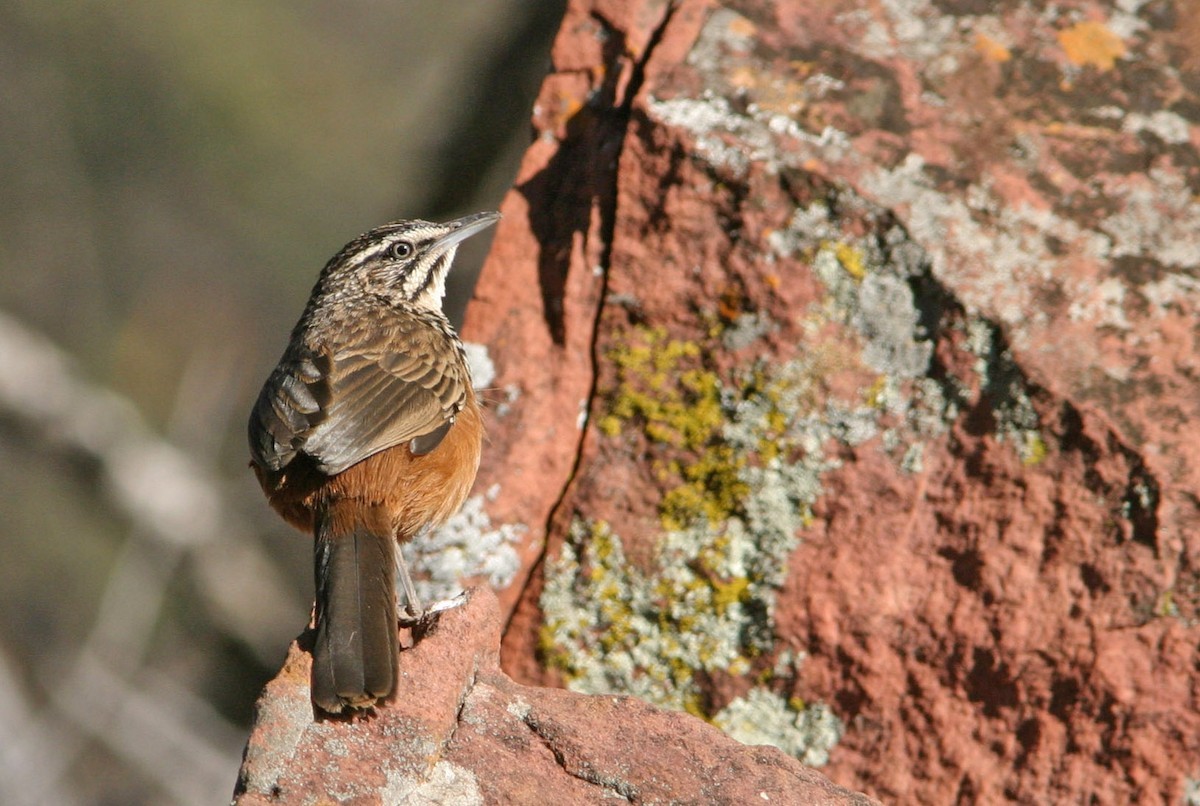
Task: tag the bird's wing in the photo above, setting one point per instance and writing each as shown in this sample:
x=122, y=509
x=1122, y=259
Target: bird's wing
x=340, y=405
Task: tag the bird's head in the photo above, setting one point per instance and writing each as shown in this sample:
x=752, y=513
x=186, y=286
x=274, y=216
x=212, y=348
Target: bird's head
x=404, y=262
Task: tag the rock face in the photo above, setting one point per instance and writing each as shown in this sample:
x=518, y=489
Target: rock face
x=461, y=732
x=846, y=395
x=847, y=374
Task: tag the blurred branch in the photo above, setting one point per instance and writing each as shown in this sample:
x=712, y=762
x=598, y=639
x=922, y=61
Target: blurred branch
x=30, y=744
x=172, y=500
x=161, y=730
x=178, y=512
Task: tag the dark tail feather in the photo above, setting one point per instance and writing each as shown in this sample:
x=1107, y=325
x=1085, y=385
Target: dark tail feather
x=354, y=658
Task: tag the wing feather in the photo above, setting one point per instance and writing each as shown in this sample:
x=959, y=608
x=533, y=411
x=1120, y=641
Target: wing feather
x=341, y=407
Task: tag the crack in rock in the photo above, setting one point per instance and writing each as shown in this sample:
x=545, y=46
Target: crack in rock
x=583, y=772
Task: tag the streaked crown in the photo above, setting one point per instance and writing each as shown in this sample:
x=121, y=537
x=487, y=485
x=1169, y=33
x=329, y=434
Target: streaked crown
x=404, y=261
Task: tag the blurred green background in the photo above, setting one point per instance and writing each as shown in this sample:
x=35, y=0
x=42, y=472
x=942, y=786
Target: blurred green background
x=173, y=175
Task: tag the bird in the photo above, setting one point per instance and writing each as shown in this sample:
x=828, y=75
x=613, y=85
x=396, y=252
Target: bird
x=366, y=434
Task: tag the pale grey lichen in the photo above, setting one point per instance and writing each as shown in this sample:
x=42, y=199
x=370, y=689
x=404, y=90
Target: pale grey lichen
x=931, y=405
x=483, y=370
x=841, y=284
x=746, y=329
x=1104, y=306
x=787, y=662
x=1017, y=420
x=888, y=319
x=780, y=506
x=612, y=628
x=1165, y=125
x=808, y=225
x=762, y=134
x=443, y=782
x=913, y=460
x=712, y=122
x=869, y=284
x=1005, y=263
x=1139, y=495
x=706, y=603
x=1191, y=791
x=807, y=732
x=1170, y=290
x=467, y=546
x=512, y=393
x=1159, y=219
x=869, y=288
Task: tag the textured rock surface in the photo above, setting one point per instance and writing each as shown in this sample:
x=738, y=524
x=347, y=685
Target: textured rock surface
x=846, y=395
x=847, y=378
x=461, y=732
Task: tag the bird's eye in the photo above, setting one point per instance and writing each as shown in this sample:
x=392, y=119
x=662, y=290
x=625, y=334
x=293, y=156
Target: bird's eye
x=402, y=250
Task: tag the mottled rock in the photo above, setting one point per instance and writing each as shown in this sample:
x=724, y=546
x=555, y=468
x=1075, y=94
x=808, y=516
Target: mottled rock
x=846, y=385
x=461, y=732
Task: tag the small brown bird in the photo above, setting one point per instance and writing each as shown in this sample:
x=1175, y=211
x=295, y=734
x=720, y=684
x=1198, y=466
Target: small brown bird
x=366, y=434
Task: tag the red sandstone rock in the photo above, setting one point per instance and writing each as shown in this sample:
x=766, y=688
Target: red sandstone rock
x=961, y=242
x=461, y=732
x=846, y=385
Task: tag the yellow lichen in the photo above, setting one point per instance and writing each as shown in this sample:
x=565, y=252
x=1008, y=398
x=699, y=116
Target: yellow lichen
x=991, y=50
x=677, y=404
x=552, y=653
x=694, y=705
x=1166, y=607
x=851, y=259
x=1034, y=450
x=739, y=666
x=729, y=593
x=1091, y=43
x=875, y=392
x=609, y=425
x=602, y=546
x=712, y=489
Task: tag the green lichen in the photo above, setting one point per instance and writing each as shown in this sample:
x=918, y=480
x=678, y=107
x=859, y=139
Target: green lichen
x=610, y=627
x=739, y=455
x=740, y=460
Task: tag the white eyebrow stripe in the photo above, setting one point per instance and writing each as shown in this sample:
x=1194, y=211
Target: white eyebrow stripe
x=368, y=254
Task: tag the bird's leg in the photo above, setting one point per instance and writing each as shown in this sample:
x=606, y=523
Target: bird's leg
x=413, y=611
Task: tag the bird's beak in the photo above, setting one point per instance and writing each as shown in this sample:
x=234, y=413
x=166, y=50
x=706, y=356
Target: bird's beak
x=465, y=227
